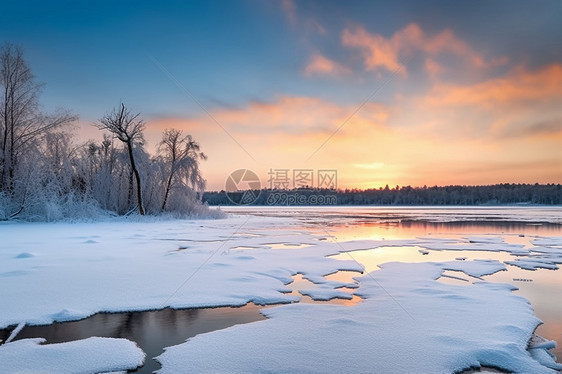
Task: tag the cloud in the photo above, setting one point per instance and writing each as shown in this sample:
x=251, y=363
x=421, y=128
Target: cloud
x=522, y=104
x=518, y=86
x=550, y=127
x=287, y=115
x=374, y=147
x=283, y=133
x=321, y=65
x=377, y=51
x=432, y=67
x=387, y=53
x=297, y=115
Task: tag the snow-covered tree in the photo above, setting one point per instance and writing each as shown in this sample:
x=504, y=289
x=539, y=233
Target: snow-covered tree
x=180, y=155
x=22, y=131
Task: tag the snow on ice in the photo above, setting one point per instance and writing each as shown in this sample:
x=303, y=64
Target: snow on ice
x=92, y=355
x=407, y=322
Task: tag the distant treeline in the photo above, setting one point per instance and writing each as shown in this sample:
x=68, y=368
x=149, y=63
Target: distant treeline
x=498, y=194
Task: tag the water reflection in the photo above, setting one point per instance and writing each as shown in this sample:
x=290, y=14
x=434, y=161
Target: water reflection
x=300, y=283
x=155, y=330
x=410, y=230
x=435, y=214
x=152, y=331
x=516, y=225
x=543, y=288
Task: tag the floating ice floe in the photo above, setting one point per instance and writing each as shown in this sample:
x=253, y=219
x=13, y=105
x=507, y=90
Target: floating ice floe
x=485, y=239
x=549, y=242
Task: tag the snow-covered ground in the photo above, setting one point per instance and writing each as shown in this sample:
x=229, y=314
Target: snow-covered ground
x=408, y=321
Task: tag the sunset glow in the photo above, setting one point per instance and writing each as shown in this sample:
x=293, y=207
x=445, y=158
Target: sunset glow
x=436, y=93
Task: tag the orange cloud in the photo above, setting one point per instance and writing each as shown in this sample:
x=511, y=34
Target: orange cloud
x=377, y=51
x=376, y=146
x=283, y=133
x=380, y=52
x=432, y=67
x=519, y=86
x=321, y=65
x=295, y=115
x=522, y=104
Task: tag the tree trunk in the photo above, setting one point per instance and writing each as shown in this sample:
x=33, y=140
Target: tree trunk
x=168, y=185
x=137, y=177
x=12, y=146
x=5, y=141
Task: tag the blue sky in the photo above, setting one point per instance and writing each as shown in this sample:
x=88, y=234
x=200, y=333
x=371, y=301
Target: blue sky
x=293, y=57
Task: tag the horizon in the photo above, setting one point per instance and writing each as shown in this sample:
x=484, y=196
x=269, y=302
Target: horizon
x=344, y=189
x=426, y=93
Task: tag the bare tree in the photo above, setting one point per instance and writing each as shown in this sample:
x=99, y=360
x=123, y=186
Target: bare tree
x=181, y=154
x=127, y=128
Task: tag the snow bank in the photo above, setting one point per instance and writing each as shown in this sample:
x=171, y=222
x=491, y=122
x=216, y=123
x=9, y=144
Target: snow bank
x=93, y=355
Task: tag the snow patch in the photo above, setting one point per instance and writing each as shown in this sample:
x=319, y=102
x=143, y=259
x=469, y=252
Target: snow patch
x=92, y=355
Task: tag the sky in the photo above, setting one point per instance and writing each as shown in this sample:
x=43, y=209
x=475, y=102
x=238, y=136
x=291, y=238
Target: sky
x=400, y=93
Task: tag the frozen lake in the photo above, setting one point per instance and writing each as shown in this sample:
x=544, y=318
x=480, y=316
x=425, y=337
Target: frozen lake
x=518, y=225
x=130, y=267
